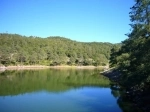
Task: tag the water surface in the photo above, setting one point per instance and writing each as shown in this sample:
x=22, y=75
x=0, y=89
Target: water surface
x=54, y=90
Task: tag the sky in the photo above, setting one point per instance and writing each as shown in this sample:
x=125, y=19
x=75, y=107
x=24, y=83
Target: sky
x=80, y=20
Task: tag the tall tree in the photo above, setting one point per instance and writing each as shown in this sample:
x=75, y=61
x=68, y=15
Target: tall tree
x=140, y=18
x=133, y=59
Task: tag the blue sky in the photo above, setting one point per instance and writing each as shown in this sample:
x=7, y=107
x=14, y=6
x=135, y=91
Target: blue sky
x=80, y=20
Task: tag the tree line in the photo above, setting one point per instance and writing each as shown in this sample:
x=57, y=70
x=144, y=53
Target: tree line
x=22, y=50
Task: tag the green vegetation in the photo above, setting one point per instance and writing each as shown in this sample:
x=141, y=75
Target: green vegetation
x=52, y=80
x=133, y=59
x=21, y=50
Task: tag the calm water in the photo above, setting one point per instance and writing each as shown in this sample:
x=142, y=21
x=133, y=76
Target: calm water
x=54, y=90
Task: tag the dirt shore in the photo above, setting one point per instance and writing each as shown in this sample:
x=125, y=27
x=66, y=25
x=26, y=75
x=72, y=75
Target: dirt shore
x=45, y=67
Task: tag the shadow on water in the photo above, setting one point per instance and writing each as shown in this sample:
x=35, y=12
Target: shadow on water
x=124, y=103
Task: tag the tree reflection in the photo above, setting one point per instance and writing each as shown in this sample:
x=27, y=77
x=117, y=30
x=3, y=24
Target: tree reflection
x=52, y=80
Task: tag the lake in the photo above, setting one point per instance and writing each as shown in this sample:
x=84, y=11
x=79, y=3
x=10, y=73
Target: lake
x=56, y=90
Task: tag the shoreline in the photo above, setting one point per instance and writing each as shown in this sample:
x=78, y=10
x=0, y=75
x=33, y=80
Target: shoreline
x=28, y=67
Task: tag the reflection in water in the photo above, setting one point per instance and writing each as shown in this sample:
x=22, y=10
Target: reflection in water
x=18, y=82
x=56, y=91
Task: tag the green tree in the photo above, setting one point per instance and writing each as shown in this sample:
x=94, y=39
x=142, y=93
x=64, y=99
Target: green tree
x=133, y=59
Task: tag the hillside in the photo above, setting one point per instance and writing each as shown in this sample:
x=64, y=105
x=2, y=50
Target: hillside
x=21, y=50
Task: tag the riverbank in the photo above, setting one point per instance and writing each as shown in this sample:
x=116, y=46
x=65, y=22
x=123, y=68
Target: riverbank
x=24, y=67
x=112, y=73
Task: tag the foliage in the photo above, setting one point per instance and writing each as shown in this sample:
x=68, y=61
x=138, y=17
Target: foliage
x=21, y=50
x=133, y=58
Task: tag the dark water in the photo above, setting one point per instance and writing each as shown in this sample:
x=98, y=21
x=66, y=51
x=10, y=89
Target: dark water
x=54, y=90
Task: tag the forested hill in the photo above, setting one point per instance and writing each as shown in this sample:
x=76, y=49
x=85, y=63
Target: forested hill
x=16, y=49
